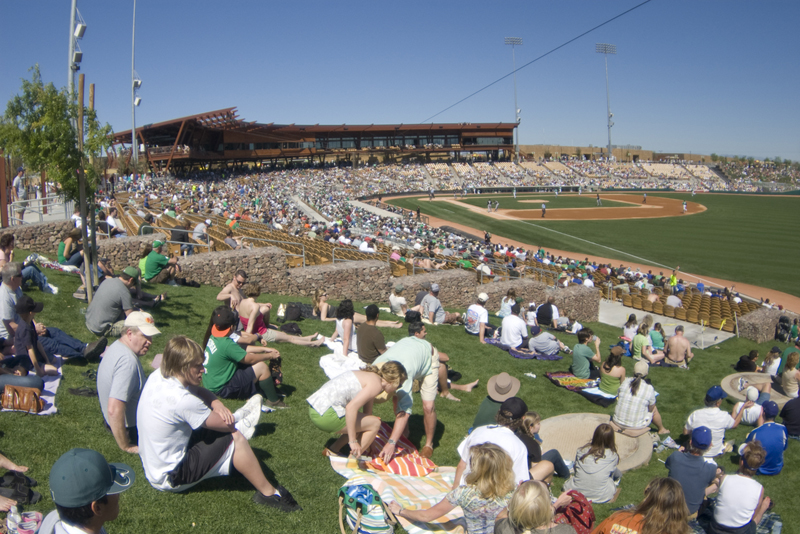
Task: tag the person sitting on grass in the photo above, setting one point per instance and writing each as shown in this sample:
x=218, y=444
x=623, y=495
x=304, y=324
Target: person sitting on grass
x=70, y=251
x=583, y=355
x=433, y=311
x=30, y=272
x=371, y=342
x=326, y=312
x=748, y=363
x=612, y=372
x=791, y=376
x=716, y=420
x=757, y=393
x=595, y=472
x=335, y=406
x=546, y=343
x=29, y=351
x=657, y=337
x=698, y=478
x=662, y=511
x=641, y=348
x=630, y=328
x=678, y=351
x=531, y=510
x=773, y=437
x=514, y=331
x=540, y=468
x=345, y=327
x=636, y=404
x=232, y=372
x=159, y=269
x=251, y=314
x=487, y=489
x=476, y=322
x=741, y=501
x=772, y=361
x=187, y=435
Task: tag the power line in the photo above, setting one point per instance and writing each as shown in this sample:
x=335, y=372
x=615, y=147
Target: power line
x=541, y=57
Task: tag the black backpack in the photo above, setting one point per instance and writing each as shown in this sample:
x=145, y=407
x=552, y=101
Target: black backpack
x=413, y=316
x=783, y=329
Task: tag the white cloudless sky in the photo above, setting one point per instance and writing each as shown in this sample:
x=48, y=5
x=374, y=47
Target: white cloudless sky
x=698, y=76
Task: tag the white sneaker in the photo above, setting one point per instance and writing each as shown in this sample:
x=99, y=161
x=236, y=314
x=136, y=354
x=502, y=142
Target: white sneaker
x=51, y=289
x=247, y=417
x=742, y=383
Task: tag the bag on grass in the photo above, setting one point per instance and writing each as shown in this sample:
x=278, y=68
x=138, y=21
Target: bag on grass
x=276, y=371
x=22, y=399
x=293, y=329
x=306, y=310
x=413, y=316
x=579, y=513
x=364, y=512
x=293, y=312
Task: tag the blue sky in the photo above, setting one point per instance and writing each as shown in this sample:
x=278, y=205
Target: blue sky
x=689, y=76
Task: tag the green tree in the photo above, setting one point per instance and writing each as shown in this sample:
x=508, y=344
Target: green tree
x=38, y=127
x=714, y=158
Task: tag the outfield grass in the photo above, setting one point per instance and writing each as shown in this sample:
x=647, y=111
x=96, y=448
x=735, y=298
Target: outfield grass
x=534, y=201
x=746, y=238
x=289, y=445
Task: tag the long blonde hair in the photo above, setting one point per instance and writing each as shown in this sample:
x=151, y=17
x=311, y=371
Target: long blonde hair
x=491, y=470
x=318, y=295
x=530, y=420
x=529, y=507
x=393, y=372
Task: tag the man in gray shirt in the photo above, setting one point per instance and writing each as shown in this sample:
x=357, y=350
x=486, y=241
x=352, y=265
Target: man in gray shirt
x=120, y=379
x=433, y=311
x=111, y=304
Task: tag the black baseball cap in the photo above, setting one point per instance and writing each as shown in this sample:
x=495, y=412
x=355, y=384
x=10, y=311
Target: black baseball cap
x=514, y=406
x=25, y=304
x=223, y=317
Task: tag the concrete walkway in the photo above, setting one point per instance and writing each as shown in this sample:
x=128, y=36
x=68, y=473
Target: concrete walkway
x=308, y=210
x=372, y=209
x=615, y=314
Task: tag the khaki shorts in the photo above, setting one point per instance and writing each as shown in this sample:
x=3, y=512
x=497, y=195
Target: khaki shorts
x=269, y=336
x=430, y=384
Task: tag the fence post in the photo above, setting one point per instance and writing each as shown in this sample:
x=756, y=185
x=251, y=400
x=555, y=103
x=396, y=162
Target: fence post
x=3, y=192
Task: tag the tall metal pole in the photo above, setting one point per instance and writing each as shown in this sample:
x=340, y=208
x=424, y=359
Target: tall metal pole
x=70, y=64
x=605, y=49
x=515, y=41
x=134, y=144
x=87, y=250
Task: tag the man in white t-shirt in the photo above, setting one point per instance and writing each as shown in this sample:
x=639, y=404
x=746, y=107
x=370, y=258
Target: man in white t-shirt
x=510, y=412
x=514, y=331
x=759, y=394
x=716, y=420
x=476, y=321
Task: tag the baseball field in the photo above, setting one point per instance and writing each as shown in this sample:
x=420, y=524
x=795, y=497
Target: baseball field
x=745, y=238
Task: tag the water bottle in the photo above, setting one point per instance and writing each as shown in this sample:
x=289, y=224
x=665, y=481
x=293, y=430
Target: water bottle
x=13, y=519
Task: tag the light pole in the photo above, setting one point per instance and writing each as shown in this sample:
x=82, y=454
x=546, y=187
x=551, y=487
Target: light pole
x=135, y=101
x=77, y=27
x=605, y=49
x=515, y=41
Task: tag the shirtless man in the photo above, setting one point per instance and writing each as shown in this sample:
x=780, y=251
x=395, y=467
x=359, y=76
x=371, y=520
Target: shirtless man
x=678, y=350
x=252, y=314
x=231, y=294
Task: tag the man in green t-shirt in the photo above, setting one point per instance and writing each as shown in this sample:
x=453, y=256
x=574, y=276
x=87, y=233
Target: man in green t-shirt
x=231, y=371
x=786, y=354
x=583, y=355
x=158, y=269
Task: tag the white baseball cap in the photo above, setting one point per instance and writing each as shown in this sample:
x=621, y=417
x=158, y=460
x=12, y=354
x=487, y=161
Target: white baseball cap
x=144, y=322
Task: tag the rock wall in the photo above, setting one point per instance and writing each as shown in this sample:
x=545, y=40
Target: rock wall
x=760, y=325
x=578, y=302
x=41, y=237
x=369, y=281
x=265, y=265
x=456, y=287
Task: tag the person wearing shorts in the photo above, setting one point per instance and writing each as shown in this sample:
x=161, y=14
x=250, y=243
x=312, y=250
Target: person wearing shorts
x=187, y=435
x=233, y=372
x=421, y=362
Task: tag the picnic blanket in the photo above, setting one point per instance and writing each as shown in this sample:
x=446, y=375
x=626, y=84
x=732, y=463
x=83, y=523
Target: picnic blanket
x=48, y=395
x=770, y=522
x=337, y=363
x=409, y=491
x=581, y=386
x=523, y=354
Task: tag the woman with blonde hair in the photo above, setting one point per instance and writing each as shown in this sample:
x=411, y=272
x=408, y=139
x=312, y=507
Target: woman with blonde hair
x=595, y=472
x=530, y=509
x=488, y=488
x=335, y=406
x=791, y=376
x=663, y=511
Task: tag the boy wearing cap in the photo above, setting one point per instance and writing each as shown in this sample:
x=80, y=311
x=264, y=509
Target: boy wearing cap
x=507, y=420
x=27, y=347
x=476, y=322
x=159, y=269
x=716, y=420
x=697, y=477
x=85, y=489
x=111, y=304
x=120, y=379
x=773, y=437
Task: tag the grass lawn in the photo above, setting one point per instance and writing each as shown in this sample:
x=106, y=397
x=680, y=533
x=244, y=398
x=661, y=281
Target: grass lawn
x=532, y=201
x=745, y=238
x=289, y=445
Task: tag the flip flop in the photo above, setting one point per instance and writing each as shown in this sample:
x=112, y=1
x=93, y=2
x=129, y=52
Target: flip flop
x=91, y=374
x=21, y=494
x=83, y=391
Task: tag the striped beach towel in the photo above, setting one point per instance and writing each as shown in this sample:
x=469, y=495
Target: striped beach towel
x=409, y=492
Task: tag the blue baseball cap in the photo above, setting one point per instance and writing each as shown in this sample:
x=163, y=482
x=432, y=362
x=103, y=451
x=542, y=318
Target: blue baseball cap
x=701, y=437
x=716, y=393
x=770, y=409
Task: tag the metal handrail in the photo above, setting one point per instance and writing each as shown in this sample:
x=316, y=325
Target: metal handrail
x=303, y=255
x=37, y=205
x=376, y=254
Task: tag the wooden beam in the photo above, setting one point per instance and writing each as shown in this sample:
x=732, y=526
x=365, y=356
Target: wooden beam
x=175, y=144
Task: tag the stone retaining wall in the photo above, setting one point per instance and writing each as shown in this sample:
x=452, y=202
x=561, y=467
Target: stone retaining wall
x=759, y=325
x=41, y=237
x=265, y=265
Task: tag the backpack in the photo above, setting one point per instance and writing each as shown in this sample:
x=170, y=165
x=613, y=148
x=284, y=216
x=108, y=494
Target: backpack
x=362, y=508
x=306, y=311
x=292, y=312
x=293, y=329
x=413, y=316
x=579, y=514
x=783, y=329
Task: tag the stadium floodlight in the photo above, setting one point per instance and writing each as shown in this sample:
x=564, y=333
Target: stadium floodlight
x=80, y=29
x=77, y=56
x=137, y=101
x=515, y=41
x=137, y=83
x=605, y=49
